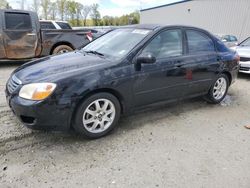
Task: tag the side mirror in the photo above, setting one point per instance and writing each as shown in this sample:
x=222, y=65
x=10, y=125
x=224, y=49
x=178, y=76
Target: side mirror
x=146, y=59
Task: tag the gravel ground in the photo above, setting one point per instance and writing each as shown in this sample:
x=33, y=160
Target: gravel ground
x=188, y=144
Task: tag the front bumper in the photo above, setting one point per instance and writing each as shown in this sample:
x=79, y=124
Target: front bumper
x=245, y=67
x=46, y=115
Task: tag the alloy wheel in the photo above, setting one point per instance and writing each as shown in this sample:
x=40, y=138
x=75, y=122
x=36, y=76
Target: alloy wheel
x=220, y=88
x=99, y=116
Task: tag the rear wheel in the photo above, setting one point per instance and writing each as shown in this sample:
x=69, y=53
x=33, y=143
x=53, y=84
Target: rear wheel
x=62, y=49
x=219, y=89
x=97, y=115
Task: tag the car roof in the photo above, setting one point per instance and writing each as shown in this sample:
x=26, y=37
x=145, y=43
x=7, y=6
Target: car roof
x=17, y=10
x=53, y=21
x=222, y=35
x=142, y=26
x=158, y=26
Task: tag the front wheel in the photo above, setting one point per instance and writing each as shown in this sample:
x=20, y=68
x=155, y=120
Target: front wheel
x=219, y=89
x=97, y=115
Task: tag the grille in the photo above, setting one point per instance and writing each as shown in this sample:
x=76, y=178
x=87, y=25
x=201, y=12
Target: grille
x=244, y=68
x=244, y=59
x=13, y=84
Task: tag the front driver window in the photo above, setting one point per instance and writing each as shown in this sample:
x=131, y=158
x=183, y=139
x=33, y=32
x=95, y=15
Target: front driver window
x=166, y=44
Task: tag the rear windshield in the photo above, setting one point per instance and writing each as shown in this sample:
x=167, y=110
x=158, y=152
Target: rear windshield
x=64, y=25
x=47, y=25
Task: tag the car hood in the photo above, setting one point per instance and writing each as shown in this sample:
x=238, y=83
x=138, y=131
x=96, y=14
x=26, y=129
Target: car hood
x=55, y=67
x=243, y=51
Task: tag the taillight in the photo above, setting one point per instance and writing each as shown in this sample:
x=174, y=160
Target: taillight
x=90, y=36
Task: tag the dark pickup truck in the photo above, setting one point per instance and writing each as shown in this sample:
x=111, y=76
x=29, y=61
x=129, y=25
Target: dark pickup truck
x=22, y=38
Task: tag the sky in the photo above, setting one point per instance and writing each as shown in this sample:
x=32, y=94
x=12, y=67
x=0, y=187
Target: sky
x=110, y=7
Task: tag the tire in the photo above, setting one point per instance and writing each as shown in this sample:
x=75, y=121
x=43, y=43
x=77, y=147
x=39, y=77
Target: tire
x=214, y=98
x=62, y=49
x=94, y=122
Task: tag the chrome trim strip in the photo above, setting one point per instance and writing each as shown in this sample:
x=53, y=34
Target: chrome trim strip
x=15, y=79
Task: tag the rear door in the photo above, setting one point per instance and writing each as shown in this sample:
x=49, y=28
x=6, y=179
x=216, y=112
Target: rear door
x=201, y=62
x=20, y=35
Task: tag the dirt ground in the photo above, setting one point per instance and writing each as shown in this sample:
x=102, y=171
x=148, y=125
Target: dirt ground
x=188, y=144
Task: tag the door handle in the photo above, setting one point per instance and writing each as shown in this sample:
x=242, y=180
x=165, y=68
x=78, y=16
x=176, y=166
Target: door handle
x=219, y=58
x=31, y=34
x=179, y=64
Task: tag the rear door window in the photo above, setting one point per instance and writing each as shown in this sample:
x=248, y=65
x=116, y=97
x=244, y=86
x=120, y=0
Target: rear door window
x=17, y=21
x=199, y=42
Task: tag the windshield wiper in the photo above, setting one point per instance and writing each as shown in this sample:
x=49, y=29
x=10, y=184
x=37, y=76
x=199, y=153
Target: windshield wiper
x=94, y=52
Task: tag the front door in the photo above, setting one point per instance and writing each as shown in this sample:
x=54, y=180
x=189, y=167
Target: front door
x=19, y=35
x=162, y=80
x=2, y=50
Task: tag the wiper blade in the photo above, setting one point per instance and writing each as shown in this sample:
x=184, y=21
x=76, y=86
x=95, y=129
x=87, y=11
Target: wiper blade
x=95, y=52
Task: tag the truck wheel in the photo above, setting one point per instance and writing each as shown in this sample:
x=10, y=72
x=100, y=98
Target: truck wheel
x=97, y=115
x=62, y=49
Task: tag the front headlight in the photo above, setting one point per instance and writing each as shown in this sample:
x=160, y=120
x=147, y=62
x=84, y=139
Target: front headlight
x=37, y=91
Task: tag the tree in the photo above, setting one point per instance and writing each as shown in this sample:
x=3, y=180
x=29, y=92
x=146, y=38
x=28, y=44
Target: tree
x=8, y=6
x=79, y=7
x=71, y=10
x=135, y=17
x=95, y=14
x=4, y=5
x=106, y=20
x=22, y=2
x=53, y=11
x=85, y=13
x=61, y=6
x=45, y=4
x=35, y=5
x=132, y=18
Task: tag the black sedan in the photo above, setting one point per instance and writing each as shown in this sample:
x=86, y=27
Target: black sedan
x=125, y=70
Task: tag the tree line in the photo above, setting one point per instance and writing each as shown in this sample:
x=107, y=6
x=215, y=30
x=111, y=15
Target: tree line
x=4, y=5
x=76, y=13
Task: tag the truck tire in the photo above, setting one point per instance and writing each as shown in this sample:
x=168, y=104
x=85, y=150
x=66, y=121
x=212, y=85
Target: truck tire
x=62, y=49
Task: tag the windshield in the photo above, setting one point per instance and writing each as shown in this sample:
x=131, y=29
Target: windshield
x=246, y=42
x=118, y=43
